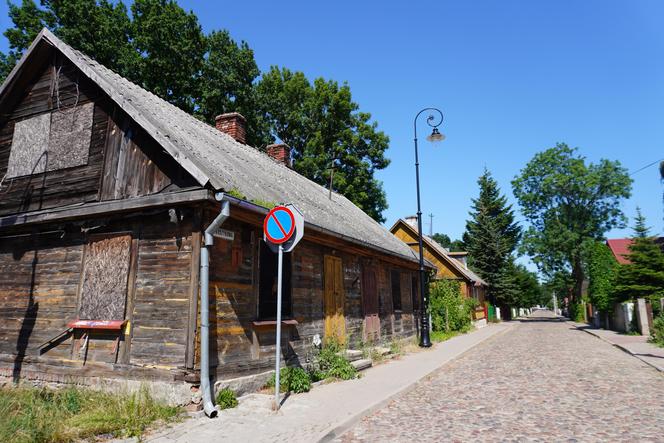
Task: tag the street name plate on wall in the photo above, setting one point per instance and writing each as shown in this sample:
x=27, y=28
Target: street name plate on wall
x=225, y=234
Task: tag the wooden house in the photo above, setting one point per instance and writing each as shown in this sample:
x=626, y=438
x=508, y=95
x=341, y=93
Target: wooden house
x=449, y=265
x=105, y=192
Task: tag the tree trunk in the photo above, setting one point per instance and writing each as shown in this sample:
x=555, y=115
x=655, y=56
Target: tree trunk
x=578, y=276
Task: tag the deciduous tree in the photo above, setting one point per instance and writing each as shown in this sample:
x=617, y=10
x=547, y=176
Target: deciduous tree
x=227, y=85
x=325, y=129
x=569, y=203
x=445, y=241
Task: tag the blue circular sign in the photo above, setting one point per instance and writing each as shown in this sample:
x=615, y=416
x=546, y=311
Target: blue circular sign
x=279, y=225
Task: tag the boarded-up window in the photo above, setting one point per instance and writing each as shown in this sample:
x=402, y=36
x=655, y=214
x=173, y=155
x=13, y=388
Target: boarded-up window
x=29, y=143
x=52, y=141
x=105, y=273
x=71, y=130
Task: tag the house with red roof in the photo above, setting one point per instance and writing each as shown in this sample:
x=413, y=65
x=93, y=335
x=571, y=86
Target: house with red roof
x=620, y=248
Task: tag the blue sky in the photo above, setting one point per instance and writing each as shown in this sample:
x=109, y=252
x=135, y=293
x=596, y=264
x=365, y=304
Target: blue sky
x=512, y=77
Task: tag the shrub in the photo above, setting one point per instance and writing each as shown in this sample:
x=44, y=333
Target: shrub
x=332, y=363
x=576, y=312
x=657, y=333
x=292, y=379
x=450, y=310
x=226, y=399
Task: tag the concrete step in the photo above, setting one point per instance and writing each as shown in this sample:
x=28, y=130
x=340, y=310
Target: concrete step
x=362, y=364
x=353, y=355
x=382, y=351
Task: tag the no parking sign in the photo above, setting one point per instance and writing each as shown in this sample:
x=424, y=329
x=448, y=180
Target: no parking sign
x=283, y=225
x=283, y=228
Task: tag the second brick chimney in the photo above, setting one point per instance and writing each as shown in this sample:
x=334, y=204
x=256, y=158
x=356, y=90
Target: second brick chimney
x=280, y=152
x=233, y=124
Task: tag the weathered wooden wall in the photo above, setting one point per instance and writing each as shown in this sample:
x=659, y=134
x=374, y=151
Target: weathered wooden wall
x=40, y=293
x=243, y=345
x=63, y=186
x=39, y=280
x=123, y=162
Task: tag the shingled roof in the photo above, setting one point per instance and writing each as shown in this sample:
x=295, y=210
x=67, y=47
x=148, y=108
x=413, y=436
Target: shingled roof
x=215, y=158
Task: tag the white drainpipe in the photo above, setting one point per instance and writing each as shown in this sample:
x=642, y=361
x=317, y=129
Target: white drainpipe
x=208, y=405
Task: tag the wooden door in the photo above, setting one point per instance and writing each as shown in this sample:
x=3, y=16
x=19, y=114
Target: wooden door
x=370, y=304
x=335, y=322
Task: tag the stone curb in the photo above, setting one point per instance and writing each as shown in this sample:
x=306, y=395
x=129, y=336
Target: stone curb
x=616, y=345
x=338, y=430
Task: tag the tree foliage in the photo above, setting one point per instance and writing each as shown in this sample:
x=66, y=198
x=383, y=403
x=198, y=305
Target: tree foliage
x=491, y=237
x=227, y=85
x=162, y=47
x=530, y=291
x=602, y=271
x=445, y=241
x=450, y=310
x=643, y=276
x=569, y=204
x=324, y=128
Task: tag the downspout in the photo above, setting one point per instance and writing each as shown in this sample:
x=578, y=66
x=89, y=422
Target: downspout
x=208, y=405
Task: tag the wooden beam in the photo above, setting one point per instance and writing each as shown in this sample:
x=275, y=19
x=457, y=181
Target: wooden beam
x=106, y=208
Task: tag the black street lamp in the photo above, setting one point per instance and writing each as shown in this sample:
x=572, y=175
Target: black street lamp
x=435, y=136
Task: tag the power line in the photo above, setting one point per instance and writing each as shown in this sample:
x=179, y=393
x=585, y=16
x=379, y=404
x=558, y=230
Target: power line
x=646, y=166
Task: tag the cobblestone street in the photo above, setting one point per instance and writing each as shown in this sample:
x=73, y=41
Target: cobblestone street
x=540, y=381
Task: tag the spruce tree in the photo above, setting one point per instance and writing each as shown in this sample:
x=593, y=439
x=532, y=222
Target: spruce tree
x=491, y=237
x=643, y=276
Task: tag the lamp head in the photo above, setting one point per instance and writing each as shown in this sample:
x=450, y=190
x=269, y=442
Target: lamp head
x=436, y=136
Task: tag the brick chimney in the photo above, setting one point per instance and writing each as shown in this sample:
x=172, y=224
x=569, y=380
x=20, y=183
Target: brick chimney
x=280, y=152
x=233, y=124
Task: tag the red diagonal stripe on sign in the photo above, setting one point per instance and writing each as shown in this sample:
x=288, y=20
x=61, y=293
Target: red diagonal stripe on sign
x=283, y=231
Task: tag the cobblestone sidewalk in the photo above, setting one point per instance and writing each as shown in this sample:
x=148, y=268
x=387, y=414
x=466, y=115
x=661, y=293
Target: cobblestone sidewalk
x=636, y=345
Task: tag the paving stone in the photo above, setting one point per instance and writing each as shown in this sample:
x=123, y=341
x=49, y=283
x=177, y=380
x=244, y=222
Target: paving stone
x=543, y=381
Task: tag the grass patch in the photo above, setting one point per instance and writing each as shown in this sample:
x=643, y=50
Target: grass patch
x=226, y=399
x=65, y=415
x=438, y=336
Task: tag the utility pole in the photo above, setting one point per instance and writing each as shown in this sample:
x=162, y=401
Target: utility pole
x=555, y=303
x=430, y=225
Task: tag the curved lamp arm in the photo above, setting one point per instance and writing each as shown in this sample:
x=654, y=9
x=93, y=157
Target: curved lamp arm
x=431, y=119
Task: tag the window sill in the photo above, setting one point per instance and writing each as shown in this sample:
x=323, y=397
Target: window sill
x=272, y=324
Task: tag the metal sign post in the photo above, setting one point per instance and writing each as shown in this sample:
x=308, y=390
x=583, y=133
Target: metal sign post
x=277, y=381
x=282, y=230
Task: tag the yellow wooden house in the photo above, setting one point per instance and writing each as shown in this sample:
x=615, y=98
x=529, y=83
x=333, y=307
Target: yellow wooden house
x=450, y=265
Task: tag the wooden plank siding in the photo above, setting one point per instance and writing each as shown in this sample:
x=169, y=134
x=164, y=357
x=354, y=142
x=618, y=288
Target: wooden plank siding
x=144, y=168
x=241, y=346
x=42, y=264
x=38, y=291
